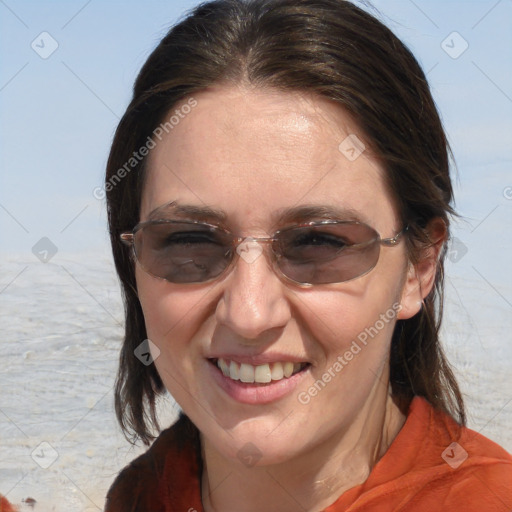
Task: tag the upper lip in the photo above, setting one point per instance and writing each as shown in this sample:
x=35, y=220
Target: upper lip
x=259, y=359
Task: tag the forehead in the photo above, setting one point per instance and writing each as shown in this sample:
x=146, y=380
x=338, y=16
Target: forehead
x=254, y=154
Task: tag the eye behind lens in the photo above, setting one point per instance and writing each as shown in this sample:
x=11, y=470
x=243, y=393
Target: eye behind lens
x=332, y=253
x=181, y=257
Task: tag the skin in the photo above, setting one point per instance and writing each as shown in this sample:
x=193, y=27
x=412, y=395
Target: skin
x=252, y=153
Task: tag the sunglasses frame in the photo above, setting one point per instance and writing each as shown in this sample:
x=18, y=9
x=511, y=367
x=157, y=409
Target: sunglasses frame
x=128, y=238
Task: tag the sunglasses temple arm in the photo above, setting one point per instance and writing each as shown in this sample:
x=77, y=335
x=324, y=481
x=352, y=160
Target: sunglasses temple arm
x=396, y=239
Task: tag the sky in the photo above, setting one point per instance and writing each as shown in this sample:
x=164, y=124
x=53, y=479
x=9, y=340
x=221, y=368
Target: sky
x=59, y=111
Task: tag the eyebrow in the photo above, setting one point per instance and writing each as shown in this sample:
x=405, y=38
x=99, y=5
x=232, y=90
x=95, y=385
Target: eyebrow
x=304, y=213
x=189, y=211
x=295, y=214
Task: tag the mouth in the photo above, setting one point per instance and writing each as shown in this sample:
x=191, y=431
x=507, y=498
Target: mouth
x=262, y=374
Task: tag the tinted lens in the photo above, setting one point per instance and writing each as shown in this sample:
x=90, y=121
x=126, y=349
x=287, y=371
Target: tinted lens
x=182, y=252
x=327, y=253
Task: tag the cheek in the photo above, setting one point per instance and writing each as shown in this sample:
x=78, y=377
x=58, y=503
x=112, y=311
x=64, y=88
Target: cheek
x=360, y=312
x=174, y=319
x=167, y=308
x=352, y=333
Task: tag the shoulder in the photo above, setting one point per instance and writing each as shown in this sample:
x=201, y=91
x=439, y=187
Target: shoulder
x=479, y=471
x=461, y=446
x=455, y=466
x=435, y=464
x=140, y=485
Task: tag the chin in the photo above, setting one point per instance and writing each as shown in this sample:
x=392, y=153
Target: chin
x=267, y=436
x=259, y=450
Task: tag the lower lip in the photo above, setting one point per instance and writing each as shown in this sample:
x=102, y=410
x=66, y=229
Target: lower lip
x=251, y=393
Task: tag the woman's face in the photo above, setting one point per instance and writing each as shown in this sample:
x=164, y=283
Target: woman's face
x=253, y=155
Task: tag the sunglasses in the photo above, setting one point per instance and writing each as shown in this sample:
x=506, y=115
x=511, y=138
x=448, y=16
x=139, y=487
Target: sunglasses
x=187, y=251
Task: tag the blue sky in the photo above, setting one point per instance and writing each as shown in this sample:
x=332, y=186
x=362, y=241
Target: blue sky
x=58, y=114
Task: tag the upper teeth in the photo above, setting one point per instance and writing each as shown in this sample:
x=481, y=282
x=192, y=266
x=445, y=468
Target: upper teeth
x=262, y=374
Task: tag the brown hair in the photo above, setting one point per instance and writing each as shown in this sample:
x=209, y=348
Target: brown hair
x=330, y=48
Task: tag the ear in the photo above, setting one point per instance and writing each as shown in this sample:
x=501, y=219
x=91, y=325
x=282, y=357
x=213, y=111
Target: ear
x=422, y=274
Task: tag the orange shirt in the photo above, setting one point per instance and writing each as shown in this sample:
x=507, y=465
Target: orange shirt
x=5, y=506
x=432, y=465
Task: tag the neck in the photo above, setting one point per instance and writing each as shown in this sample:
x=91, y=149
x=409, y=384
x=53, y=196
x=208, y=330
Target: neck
x=311, y=481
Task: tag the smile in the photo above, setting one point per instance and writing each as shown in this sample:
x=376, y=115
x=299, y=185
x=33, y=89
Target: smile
x=261, y=374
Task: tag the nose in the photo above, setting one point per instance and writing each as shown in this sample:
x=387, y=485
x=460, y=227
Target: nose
x=253, y=301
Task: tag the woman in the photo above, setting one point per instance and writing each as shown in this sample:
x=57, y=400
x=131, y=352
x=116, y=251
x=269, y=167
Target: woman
x=279, y=198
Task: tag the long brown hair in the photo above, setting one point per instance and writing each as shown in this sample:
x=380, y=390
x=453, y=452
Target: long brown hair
x=333, y=49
